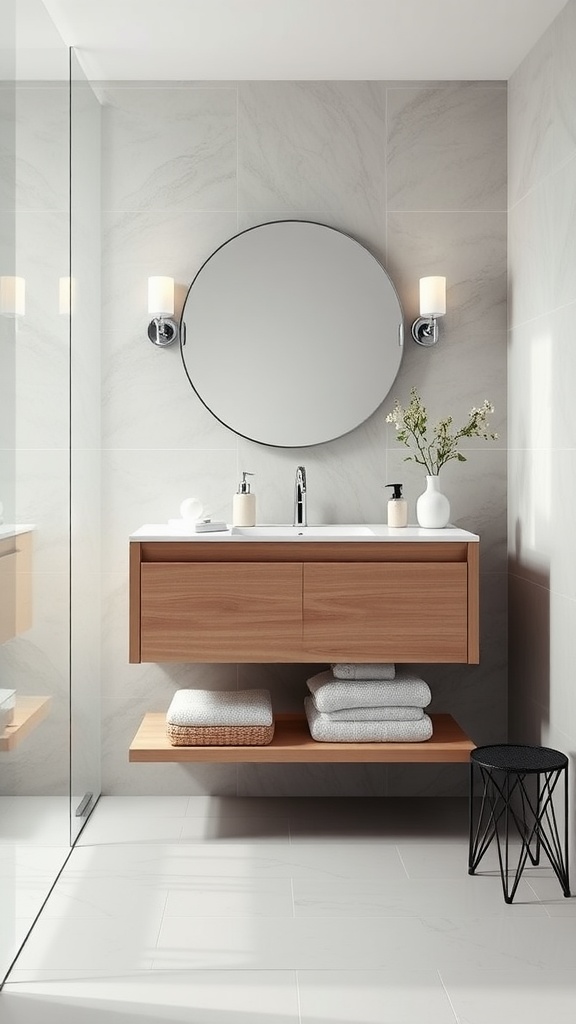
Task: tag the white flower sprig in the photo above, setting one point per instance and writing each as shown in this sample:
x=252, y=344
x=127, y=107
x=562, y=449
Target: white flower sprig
x=411, y=426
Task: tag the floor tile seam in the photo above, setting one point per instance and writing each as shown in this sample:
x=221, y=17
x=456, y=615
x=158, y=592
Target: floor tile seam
x=462, y=920
x=162, y=915
x=293, y=897
x=135, y=972
x=540, y=902
x=288, y=971
x=448, y=996
x=298, y=997
x=416, y=921
x=402, y=862
x=502, y=973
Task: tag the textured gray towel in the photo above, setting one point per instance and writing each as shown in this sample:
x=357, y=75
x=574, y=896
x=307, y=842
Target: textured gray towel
x=399, y=714
x=406, y=690
x=220, y=707
x=327, y=731
x=372, y=670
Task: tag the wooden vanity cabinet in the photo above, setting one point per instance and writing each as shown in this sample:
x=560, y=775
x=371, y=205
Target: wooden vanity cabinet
x=310, y=602
x=381, y=611
x=197, y=611
x=15, y=585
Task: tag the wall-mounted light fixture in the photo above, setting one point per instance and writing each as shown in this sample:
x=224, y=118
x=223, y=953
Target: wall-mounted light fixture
x=162, y=330
x=432, y=305
x=12, y=296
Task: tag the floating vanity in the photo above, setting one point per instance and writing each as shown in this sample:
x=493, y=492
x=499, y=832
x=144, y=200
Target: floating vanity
x=304, y=594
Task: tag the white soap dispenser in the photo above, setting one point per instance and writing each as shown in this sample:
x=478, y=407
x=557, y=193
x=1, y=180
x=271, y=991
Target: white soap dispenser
x=244, y=504
x=397, y=508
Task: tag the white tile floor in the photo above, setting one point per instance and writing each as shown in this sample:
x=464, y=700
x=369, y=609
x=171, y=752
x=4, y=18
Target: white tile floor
x=343, y=911
x=34, y=843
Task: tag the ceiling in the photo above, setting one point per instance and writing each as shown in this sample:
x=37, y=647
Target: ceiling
x=301, y=39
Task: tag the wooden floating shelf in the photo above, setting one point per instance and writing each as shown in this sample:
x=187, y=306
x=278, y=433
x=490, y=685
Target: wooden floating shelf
x=28, y=713
x=293, y=743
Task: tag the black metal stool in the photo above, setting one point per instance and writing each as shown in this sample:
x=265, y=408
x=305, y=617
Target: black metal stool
x=509, y=800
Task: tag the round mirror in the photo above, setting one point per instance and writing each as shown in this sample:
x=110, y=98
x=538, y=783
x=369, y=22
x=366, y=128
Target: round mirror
x=291, y=333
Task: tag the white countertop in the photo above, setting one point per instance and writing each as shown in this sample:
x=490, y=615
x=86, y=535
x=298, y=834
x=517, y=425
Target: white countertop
x=379, y=533
x=13, y=529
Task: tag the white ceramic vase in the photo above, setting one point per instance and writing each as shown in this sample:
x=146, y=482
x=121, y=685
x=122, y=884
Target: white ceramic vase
x=433, y=507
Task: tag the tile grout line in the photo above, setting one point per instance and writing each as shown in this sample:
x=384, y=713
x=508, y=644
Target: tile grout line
x=402, y=861
x=297, y=980
x=293, y=898
x=162, y=917
x=540, y=903
x=456, y=1017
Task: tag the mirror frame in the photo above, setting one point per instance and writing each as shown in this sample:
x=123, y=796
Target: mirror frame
x=398, y=326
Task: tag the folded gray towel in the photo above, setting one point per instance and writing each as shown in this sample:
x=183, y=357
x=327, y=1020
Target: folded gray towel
x=399, y=714
x=220, y=707
x=372, y=670
x=406, y=690
x=325, y=730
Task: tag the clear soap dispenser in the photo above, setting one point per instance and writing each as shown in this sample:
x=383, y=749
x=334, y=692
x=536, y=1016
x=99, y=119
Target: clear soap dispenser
x=397, y=507
x=244, y=504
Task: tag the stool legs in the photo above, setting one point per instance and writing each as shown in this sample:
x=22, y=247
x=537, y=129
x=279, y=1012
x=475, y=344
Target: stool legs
x=535, y=824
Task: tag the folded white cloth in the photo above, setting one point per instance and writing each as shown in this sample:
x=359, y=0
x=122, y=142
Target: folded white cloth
x=372, y=670
x=220, y=707
x=326, y=730
x=399, y=714
x=406, y=690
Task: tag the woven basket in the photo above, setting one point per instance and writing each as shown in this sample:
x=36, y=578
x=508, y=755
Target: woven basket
x=219, y=735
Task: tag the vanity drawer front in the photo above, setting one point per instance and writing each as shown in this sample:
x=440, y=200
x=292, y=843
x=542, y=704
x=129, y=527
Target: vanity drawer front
x=400, y=611
x=221, y=612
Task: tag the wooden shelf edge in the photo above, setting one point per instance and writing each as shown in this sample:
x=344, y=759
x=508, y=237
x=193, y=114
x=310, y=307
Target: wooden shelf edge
x=28, y=714
x=293, y=743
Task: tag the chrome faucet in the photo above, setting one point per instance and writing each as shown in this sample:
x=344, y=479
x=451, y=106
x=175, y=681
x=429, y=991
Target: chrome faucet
x=300, y=514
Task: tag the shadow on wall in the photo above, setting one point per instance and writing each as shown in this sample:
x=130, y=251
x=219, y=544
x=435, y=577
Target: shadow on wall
x=529, y=646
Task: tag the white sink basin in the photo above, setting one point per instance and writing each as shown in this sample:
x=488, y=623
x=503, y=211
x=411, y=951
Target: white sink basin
x=336, y=531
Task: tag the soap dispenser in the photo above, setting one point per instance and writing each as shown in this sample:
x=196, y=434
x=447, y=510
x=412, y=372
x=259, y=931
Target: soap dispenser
x=244, y=504
x=397, y=508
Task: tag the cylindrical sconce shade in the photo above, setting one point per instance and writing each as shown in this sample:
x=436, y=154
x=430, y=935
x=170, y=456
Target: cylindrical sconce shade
x=161, y=296
x=432, y=296
x=12, y=296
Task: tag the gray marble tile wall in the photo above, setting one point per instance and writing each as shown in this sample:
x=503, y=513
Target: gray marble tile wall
x=542, y=382
x=418, y=174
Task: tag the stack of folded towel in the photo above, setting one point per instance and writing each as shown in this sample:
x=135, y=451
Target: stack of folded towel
x=220, y=718
x=368, y=704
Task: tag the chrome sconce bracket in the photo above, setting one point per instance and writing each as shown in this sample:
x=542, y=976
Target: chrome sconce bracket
x=162, y=332
x=425, y=330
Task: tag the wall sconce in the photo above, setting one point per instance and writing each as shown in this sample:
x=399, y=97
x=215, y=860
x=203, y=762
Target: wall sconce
x=432, y=305
x=162, y=330
x=12, y=296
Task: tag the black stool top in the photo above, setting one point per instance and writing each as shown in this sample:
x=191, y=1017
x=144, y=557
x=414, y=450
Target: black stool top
x=518, y=757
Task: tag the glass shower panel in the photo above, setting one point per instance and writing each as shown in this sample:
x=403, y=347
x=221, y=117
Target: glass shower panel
x=82, y=293
x=35, y=373
x=8, y=901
